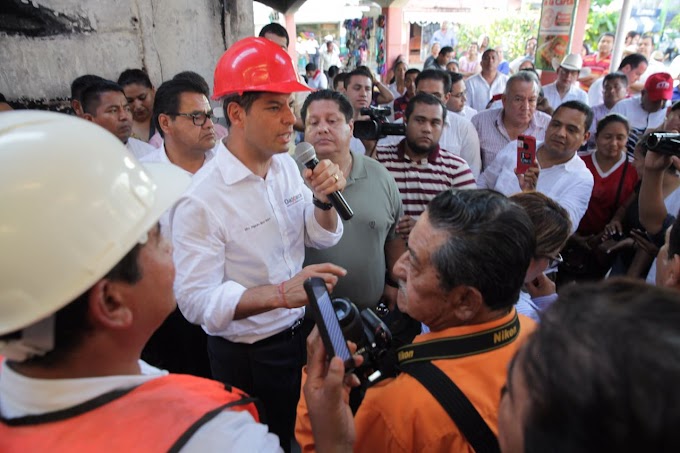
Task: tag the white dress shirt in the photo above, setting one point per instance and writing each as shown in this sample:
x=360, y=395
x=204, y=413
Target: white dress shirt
x=480, y=92
x=22, y=396
x=467, y=112
x=637, y=117
x=570, y=184
x=553, y=96
x=233, y=230
x=138, y=148
x=595, y=93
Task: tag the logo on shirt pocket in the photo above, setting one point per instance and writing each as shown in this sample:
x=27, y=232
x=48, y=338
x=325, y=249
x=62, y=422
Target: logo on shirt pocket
x=295, y=199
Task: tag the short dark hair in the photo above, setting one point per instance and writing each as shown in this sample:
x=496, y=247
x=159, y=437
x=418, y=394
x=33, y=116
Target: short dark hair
x=91, y=96
x=424, y=98
x=607, y=33
x=138, y=76
x=489, y=247
x=329, y=95
x=633, y=60
x=615, y=76
x=444, y=50
x=80, y=83
x=72, y=321
x=632, y=34
x=611, y=118
x=340, y=77
x=647, y=36
x=581, y=107
x=310, y=67
x=412, y=71
x=168, y=95
x=194, y=78
x=245, y=100
x=455, y=77
x=333, y=70
x=275, y=29
x=489, y=50
x=551, y=221
x=592, y=383
x=359, y=72
x=435, y=74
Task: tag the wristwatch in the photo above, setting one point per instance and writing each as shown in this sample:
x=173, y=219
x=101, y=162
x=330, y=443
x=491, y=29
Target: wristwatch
x=321, y=205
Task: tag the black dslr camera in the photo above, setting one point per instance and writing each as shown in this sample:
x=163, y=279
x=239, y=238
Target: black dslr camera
x=378, y=126
x=368, y=332
x=664, y=143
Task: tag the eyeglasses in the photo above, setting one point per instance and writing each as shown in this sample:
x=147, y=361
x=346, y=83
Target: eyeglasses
x=554, y=261
x=462, y=94
x=199, y=119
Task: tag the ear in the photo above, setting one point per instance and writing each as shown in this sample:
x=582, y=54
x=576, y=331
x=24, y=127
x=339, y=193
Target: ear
x=446, y=97
x=465, y=301
x=503, y=99
x=164, y=122
x=88, y=117
x=236, y=114
x=586, y=136
x=351, y=126
x=107, y=306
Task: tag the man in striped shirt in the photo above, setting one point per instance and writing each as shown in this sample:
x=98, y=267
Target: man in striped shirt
x=421, y=168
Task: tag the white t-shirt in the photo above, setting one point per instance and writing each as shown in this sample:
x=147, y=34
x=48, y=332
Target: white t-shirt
x=574, y=94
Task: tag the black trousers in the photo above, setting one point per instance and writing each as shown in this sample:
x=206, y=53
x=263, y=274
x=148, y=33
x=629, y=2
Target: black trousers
x=270, y=370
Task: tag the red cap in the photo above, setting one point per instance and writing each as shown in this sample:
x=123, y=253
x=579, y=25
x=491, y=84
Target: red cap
x=659, y=86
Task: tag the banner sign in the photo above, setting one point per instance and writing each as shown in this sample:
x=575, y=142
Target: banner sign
x=555, y=32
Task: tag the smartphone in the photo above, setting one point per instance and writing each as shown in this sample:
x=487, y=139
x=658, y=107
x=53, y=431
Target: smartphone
x=327, y=321
x=526, y=153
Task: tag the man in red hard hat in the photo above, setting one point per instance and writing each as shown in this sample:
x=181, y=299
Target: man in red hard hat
x=240, y=231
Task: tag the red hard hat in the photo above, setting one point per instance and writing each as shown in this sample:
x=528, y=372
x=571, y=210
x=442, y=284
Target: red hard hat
x=255, y=64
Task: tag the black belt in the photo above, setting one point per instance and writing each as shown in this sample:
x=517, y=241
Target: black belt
x=284, y=335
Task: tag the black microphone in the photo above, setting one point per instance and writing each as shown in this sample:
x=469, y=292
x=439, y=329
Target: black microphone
x=305, y=155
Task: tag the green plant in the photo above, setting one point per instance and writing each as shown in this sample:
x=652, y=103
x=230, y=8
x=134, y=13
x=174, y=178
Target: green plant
x=511, y=32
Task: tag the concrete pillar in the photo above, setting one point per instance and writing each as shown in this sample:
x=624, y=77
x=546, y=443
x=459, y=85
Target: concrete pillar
x=396, y=35
x=163, y=37
x=238, y=20
x=292, y=34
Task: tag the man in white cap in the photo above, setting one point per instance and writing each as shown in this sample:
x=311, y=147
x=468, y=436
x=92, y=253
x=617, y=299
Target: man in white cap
x=84, y=224
x=565, y=88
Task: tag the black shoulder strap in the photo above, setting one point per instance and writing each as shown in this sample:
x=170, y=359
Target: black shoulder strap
x=456, y=404
x=186, y=435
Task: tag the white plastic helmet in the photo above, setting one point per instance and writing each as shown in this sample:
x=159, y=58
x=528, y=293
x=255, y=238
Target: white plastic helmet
x=73, y=203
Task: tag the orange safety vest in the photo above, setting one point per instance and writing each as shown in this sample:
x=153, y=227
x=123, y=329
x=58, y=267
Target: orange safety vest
x=159, y=415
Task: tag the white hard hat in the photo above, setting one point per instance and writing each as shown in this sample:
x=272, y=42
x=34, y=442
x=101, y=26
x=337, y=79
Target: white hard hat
x=73, y=202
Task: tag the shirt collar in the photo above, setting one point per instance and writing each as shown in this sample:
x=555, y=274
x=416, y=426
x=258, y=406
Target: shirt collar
x=358, y=168
x=401, y=153
x=233, y=170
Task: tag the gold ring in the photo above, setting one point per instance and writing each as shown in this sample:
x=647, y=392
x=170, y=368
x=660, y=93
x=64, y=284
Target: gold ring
x=337, y=178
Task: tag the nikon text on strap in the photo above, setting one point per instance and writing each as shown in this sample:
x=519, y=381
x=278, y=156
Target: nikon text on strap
x=415, y=360
x=456, y=347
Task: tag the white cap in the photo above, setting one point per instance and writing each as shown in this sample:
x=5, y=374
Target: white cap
x=74, y=202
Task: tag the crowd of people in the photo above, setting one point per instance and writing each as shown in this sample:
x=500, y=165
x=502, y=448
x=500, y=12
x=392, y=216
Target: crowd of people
x=152, y=299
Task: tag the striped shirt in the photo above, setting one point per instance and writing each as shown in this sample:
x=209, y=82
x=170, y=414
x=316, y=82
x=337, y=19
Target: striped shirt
x=493, y=136
x=420, y=181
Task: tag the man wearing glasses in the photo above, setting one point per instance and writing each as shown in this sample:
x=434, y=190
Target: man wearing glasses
x=498, y=127
x=183, y=117
x=456, y=102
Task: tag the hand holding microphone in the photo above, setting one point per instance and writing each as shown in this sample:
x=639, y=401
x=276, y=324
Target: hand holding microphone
x=327, y=180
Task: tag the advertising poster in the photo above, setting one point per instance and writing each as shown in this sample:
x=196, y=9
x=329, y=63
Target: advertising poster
x=554, y=33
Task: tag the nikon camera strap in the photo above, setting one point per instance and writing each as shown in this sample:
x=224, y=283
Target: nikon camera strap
x=415, y=360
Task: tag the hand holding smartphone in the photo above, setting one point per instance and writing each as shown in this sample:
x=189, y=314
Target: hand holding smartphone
x=526, y=153
x=327, y=321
